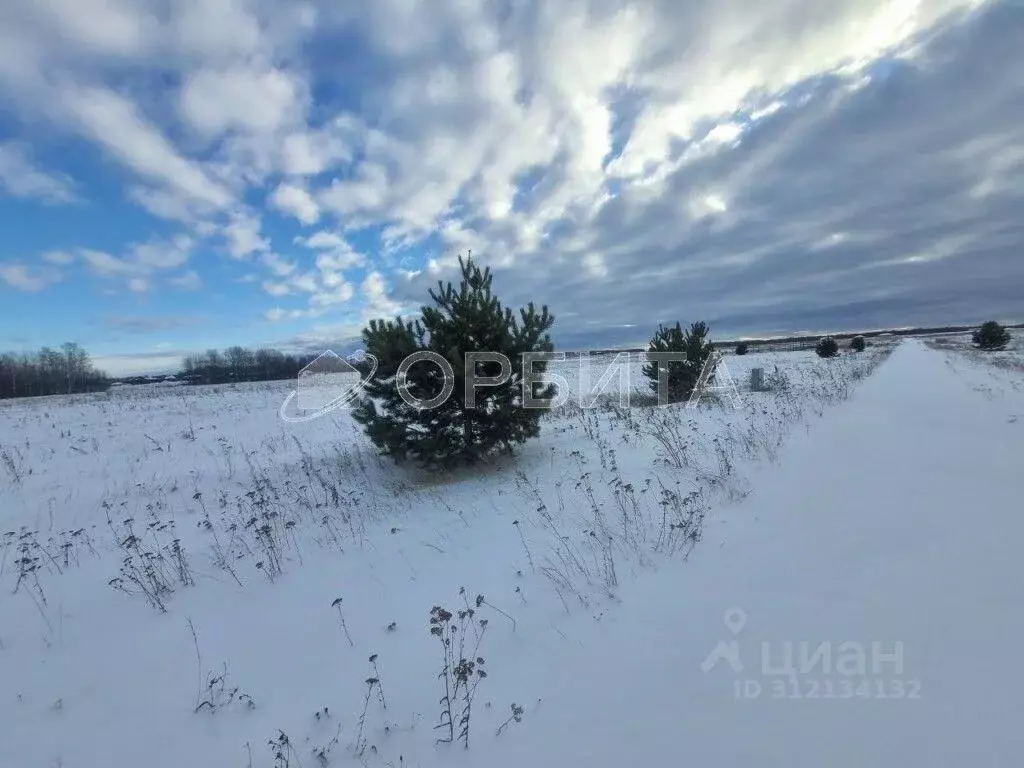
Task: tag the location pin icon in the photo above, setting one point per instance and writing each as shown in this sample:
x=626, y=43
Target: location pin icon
x=735, y=619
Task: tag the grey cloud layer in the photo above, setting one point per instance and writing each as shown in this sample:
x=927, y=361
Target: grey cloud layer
x=893, y=202
x=782, y=165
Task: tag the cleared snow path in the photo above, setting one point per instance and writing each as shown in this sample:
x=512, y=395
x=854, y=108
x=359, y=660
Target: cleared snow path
x=896, y=519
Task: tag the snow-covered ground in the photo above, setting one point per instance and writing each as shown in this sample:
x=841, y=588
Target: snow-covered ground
x=644, y=575
x=1011, y=357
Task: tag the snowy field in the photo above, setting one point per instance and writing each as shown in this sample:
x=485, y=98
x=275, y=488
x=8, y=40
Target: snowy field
x=1011, y=357
x=829, y=576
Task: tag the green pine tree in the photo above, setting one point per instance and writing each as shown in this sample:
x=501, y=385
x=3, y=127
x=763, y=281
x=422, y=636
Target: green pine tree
x=466, y=319
x=990, y=336
x=683, y=374
x=827, y=347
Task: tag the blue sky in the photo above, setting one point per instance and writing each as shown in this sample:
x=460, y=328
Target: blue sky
x=183, y=174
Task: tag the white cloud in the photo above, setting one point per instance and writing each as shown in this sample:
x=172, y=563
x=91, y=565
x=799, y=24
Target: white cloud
x=276, y=289
x=338, y=292
x=306, y=282
x=103, y=263
x=243, y=236
x=374, y=290
x=58, y=258
x=332, y=279
x=114, y=121
x=296, y=202
x=190, y=281
x=366, y=194
x=341, y=260
x=240, y=97
x=277, y=265
x=215, y=29
x=165, y=204
x=594, y=264
x=20, y=178
x=325, y=287
x=156, y=254
x=142, y=258
x=323, y=240
x=106, y=27
x=23, y=278
x=334, y=252
x=143, y=261
x=310, y=152
x=580, y=148
x=764, y=49
x=277, y=314
x=830, y=241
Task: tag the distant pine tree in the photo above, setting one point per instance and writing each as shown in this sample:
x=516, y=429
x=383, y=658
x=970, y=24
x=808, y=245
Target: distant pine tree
x=742, y=348
x=990, y=336
x=682, y=375
x=467, y=319
x=858, y=344
x=827, y=347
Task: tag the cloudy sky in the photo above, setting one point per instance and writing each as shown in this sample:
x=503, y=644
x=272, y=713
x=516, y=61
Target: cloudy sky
x=182, y=174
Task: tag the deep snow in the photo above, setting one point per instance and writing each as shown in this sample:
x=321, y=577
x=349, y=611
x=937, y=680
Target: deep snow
x=891, y=518
x=897, y=519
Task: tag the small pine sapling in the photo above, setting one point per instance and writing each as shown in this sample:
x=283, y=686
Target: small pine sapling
x=827, y=347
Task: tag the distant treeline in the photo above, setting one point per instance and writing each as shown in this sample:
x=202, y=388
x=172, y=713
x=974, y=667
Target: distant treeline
x=49, y=371
x=241, y=364
x=806, y=341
